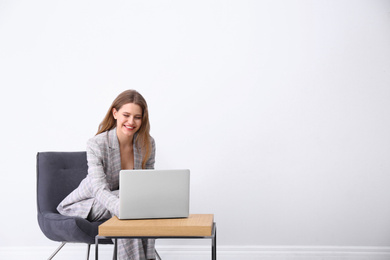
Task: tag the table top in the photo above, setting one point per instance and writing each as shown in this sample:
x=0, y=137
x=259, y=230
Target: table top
x=196, y=225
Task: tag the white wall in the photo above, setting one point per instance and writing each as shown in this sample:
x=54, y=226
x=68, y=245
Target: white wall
x=279, y=108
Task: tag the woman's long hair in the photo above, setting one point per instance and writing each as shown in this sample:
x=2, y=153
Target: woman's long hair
x=143, y=137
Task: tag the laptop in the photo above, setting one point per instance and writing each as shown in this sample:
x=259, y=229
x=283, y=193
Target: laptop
x=147, y=194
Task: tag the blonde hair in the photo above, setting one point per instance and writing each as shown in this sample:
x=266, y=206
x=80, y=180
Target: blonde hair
x=143, y=137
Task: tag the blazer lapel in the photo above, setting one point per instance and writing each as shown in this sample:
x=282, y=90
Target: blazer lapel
x=114, y=155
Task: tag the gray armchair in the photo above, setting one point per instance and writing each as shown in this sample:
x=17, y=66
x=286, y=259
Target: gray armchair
x=58, y=174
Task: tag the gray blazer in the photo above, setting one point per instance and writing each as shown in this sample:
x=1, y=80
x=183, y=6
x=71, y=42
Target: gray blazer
x=104, y=164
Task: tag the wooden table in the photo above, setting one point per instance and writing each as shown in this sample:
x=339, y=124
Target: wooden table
x=193, y=227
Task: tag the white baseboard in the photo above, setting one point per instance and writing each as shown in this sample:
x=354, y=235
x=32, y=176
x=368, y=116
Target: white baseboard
x=73, y=251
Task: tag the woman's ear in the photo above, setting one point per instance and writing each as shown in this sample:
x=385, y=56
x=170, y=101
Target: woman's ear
x=114, y=112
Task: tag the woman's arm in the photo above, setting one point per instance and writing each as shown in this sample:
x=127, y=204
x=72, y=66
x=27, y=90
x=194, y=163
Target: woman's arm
x=99, y=185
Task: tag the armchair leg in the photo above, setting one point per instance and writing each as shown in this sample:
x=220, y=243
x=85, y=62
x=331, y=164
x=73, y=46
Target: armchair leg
x=88, y=250
x=57, y=250
x=157, y=255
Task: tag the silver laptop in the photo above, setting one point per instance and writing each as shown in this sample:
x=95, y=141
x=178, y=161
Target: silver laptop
x=147, y=194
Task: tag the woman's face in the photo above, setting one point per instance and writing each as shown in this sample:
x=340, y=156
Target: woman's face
x=128, y=119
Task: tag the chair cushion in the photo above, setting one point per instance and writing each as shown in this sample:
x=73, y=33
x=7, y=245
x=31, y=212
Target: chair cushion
x=68, y=229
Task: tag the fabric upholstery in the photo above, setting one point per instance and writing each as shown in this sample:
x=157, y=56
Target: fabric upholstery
x=58, y=174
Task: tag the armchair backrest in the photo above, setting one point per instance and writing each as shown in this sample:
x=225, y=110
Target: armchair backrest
x=58, y=174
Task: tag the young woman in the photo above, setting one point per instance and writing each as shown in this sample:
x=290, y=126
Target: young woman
x=122, y=142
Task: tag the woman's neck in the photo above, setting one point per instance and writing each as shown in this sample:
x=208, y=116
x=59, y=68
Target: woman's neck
x=124, y=141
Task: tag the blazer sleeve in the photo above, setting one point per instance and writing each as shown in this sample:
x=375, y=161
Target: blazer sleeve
x=150, y=162
x=96, y=171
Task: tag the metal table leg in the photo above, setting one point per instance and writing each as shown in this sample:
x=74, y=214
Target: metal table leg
x=96, y=247
x=214, y=244
x=115, y=257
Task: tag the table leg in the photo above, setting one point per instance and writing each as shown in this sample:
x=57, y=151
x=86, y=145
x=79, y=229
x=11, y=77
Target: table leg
x=214, y=245
x=96, y=247
x=115, y=249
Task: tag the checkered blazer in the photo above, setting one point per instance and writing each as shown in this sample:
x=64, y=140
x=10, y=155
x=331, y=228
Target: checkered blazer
x=104, y=164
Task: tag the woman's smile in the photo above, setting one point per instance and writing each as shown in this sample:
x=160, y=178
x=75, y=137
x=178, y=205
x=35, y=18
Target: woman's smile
x=129, y=127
